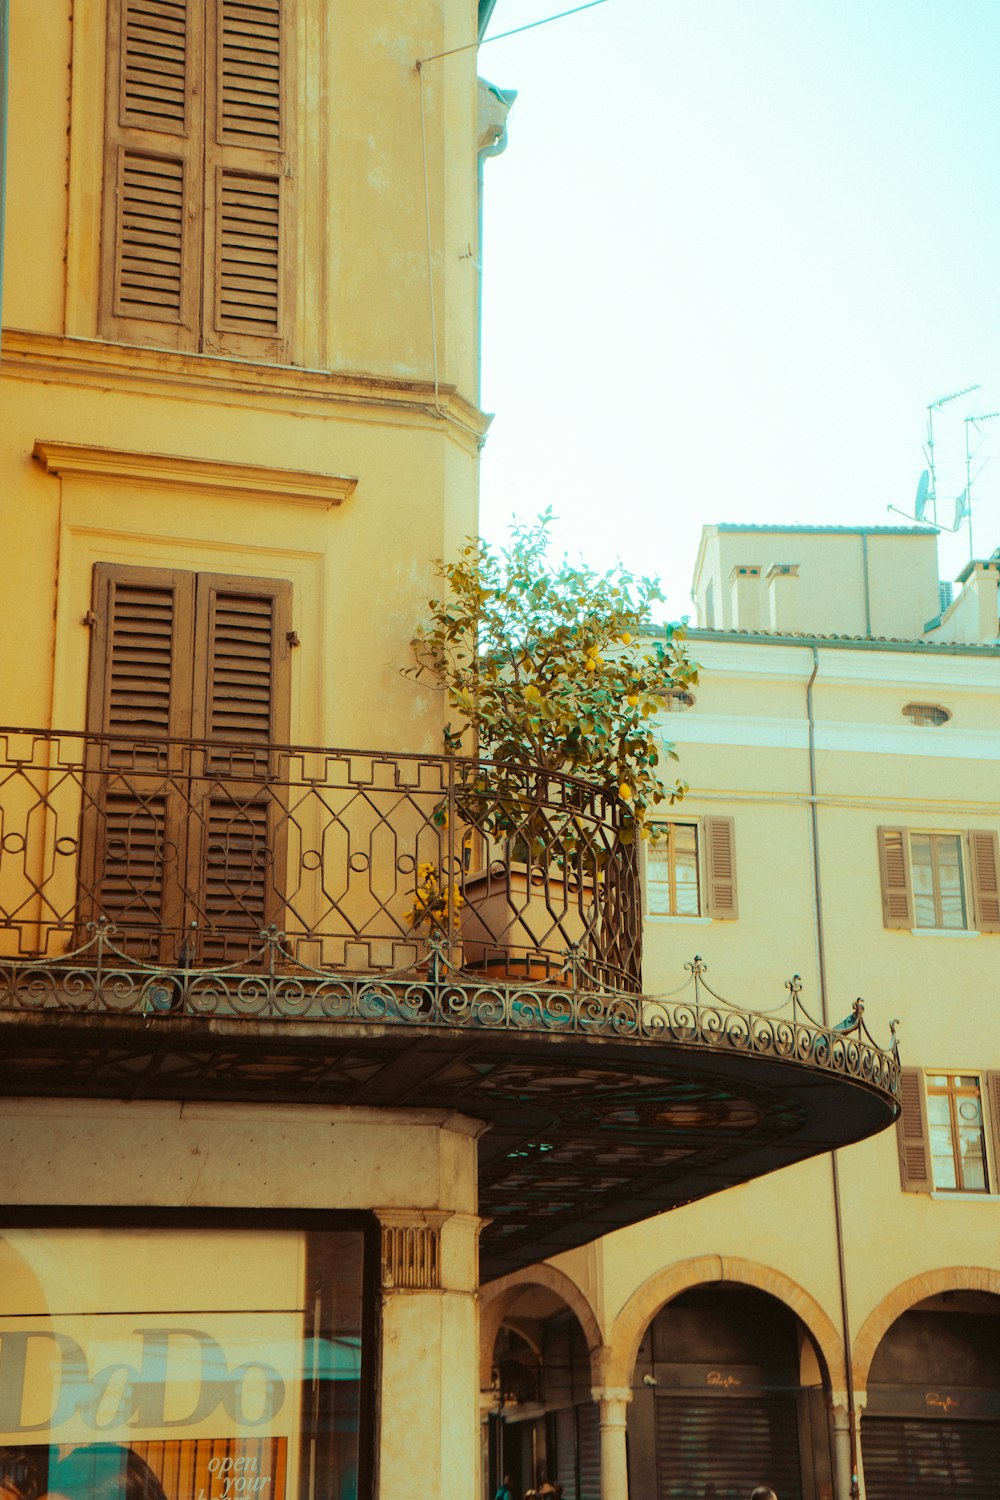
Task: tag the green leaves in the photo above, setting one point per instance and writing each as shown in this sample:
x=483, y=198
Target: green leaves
x=553, y=666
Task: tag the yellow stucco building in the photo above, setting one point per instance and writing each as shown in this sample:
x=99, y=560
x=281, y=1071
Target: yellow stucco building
x=261, y=1127
x=841, y=837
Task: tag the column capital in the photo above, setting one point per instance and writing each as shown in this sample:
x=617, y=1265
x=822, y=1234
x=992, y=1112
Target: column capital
x=608, y=1394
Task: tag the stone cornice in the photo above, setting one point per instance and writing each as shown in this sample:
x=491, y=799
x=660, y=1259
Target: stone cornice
x=165, y=372
x=254, y=481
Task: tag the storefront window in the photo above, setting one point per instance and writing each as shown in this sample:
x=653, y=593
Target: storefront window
x=181, y=1364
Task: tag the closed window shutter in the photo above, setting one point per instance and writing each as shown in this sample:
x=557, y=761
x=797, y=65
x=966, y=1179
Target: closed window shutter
x=174, y=833
x=153, y=197
x=242, y=640
x=242, y=708
x=248, y=181
x=911, y=1134
x=720, y=867
x=139, y=689
x=198, y=184
x=894, y=875
x=141, y=651
x=991, y=1087
x=984, y=863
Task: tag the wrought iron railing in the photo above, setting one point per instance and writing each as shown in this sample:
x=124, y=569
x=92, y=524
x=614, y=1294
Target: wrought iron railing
x=186, y=857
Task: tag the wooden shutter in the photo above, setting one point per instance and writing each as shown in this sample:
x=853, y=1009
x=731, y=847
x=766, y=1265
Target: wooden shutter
x=141, y=652
x=236, y=859
x=894, y=874
x=174, y=833
x=133, y=826
x=153, y=194
x=984, y=865
x=248, y=181
x=991, y=1088
x=911, y=1134
x=720, y=867
x=242, y=629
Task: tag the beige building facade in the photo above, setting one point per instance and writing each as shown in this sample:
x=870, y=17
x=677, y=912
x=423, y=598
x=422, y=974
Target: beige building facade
x=833, y=1328
x=265, y=1129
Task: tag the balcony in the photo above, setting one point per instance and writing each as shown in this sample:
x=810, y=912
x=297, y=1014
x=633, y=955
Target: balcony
x=200, y=920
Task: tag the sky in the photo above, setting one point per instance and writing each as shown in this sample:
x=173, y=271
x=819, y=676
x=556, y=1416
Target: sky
x=733, y=250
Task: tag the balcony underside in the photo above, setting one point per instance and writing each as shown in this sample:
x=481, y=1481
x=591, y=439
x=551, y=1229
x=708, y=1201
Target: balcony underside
x=200, y=920
x=602, y=1110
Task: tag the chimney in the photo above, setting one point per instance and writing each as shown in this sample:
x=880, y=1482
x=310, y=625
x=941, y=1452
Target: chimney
x=783, y=598
x=983, y=579
x=745, y=587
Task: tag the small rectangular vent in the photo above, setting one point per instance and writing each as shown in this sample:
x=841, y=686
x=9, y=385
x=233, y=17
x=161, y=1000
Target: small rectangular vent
x=411, y=1256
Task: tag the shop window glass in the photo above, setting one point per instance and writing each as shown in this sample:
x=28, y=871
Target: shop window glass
x=187, y=1364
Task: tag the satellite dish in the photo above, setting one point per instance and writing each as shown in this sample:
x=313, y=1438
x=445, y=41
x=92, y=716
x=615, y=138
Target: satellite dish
x=920, y=503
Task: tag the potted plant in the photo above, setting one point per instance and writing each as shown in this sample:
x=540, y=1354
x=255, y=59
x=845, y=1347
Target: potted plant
x=548, y=669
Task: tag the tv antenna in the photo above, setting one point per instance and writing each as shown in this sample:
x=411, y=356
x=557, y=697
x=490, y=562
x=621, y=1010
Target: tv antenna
x=963, y=505
x=926, y=495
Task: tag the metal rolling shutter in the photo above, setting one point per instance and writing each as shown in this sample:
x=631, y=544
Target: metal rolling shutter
x=578, y=1452
x=588, y=1428
x=565, y=1465
x=733, y=1444
x=907, y=1458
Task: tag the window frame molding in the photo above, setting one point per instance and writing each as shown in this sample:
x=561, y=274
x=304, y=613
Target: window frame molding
x=916, y=1167
x=248, y=481
x=306, y=338
x=979, y=850
x=715, y=843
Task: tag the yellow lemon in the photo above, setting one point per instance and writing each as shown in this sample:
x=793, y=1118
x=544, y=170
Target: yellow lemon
x=590, y=666
x=625, y=792
x=632, y=700
x=626, y=637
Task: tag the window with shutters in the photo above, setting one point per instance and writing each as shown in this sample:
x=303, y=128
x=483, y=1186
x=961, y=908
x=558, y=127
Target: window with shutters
x=955, y=1126
x=183, y=823
x=948, y=1131
x=940, y=882
x=198, y=176
x=691, y=869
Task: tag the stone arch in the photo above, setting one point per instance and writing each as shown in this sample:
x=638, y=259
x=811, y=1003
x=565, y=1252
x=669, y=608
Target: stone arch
x=646, y=1301
x=903, y=1297
x=496, y=1298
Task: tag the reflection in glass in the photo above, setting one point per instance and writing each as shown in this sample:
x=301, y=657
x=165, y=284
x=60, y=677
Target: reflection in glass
x=232, y=1374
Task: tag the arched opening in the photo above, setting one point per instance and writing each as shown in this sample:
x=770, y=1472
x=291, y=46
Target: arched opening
x=729, y=1391
x=544, y=1428
x=932, y=1423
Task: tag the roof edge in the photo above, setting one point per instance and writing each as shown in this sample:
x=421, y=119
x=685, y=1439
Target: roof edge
x=847, y=642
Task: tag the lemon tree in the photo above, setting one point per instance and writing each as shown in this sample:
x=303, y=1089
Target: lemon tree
x=554, y=667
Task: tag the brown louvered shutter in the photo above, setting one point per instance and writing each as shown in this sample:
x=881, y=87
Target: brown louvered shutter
x=911, y=1134
x=173, y=832
x=894, y=875
x=132, y=837
x=984, y=863
x=720, y=867
x=248, y=180
x=991, y=1087
x=242, y=709
x=153, y=194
